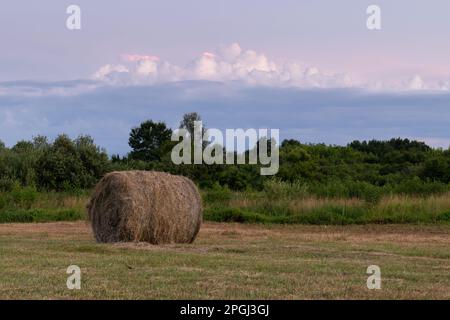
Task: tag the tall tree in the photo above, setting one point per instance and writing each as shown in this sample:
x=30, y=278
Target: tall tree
x=188, y=123
x=149, y=141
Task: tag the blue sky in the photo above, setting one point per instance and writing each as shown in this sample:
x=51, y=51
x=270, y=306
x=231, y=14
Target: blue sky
x=309, y=68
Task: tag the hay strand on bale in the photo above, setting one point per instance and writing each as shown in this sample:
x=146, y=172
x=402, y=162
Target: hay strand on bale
x=148, y=206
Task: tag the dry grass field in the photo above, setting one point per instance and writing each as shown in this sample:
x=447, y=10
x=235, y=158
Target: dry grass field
x=229, y=261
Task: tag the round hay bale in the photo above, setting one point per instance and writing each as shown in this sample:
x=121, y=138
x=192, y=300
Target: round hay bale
x=148, y=206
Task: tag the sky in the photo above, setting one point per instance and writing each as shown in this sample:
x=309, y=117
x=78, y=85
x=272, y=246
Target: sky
x=310, y=68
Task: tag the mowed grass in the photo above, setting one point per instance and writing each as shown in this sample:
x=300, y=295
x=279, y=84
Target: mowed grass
x=229, y=261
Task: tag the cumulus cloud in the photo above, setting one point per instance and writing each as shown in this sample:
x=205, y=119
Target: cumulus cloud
x=228, y=63
x=110, y=72
x=416, y=83
x=232, y=63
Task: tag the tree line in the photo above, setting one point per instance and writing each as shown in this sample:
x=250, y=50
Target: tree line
x=398, y=165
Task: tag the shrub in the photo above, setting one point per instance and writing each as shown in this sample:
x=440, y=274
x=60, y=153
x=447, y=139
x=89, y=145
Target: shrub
x=416, y=186
x=71, y=164
x=23, y=197
x=217, y=194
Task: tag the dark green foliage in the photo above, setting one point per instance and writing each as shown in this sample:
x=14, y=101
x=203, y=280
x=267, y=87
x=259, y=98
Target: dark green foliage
x=188, y=122
x=417, y=186
x=23, y=196
x=26, y=204
x=64, y=164
x=217, y=193
x=71, y=164
x=365, y=170
x=149, y=141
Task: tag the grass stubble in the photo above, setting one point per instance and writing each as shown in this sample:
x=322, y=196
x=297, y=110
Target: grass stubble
x=229, y=261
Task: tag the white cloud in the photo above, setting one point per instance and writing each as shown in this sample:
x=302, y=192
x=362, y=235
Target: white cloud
x=231, y=52
x=110, y=72
x=232, y=63
x=205, y=67
x=416, y=83
x=147, y=68
x=228, y=63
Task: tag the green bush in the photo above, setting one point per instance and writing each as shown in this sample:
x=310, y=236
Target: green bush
x=71, y=164
x=416, y=186
x=23, y=197
x=217, y=194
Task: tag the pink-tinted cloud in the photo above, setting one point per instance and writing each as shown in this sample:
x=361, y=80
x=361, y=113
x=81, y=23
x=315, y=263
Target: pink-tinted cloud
x=138, y=57
x=209, y=55
x=232, y=63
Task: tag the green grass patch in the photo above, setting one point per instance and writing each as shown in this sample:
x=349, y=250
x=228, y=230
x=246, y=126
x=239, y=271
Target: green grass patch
x=328, y=215
x=40, y=215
